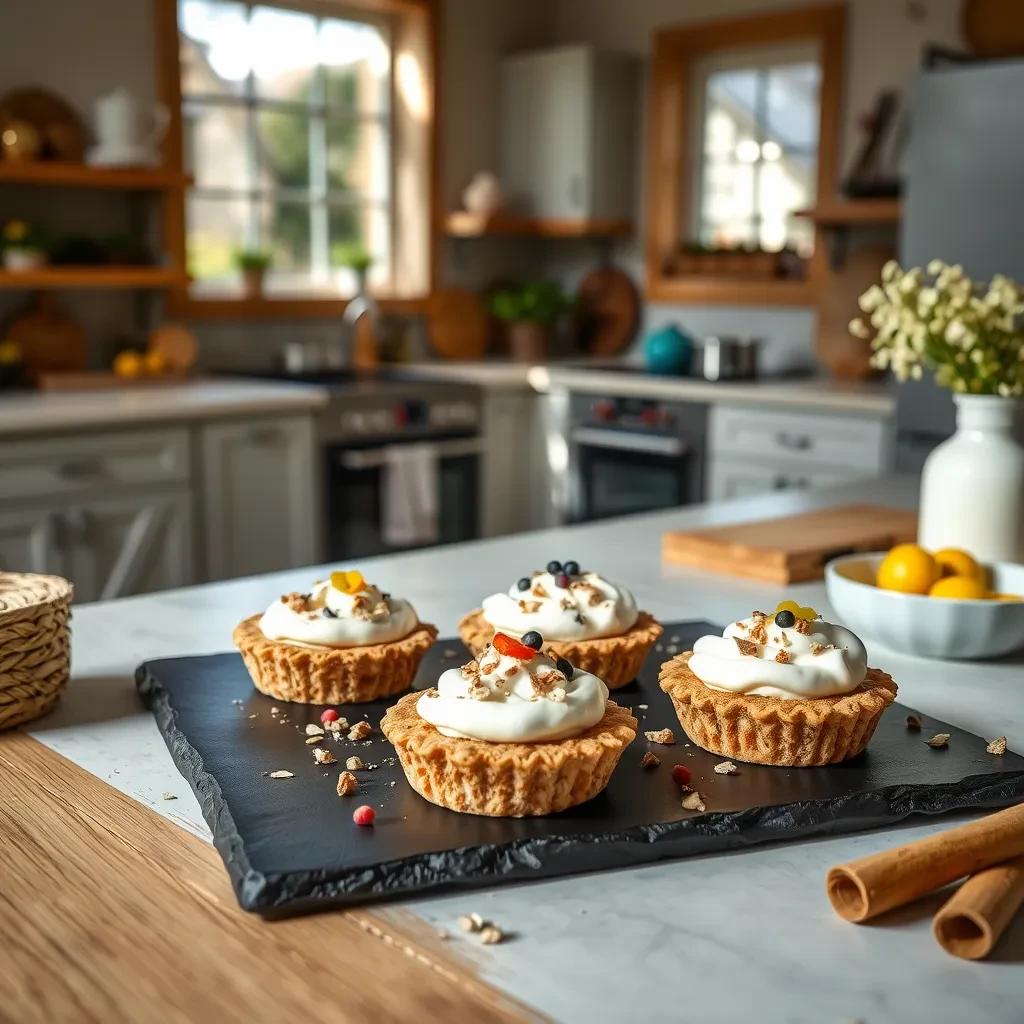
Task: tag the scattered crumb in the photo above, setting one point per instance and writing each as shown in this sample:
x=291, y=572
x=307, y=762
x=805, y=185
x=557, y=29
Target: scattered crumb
x=237, y=701
x=649, y=760
x=693, y=802
x=253, y=716
x=360, y=731
x=913, y=723
x=313, y=739
x=347, y=784
x=275, y=711
x=726, y=768
x=471, y=922
x=339, y=725
x=666, y=737
x=322, y=756
x=746, y=647
x=491, y=935
x=282, y=775
x=642, y=707
x=171, y=796
x=997, y=746
x=354, y=764
x=314, y=730
x=939, y=740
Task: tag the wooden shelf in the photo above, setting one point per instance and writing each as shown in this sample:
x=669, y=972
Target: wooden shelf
x=844, y=212
x=75, y=175
x=469, y=225
x=731, y=291
x=55, y=278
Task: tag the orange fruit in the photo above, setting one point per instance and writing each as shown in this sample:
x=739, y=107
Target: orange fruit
x=907, y=568
x=128, y=364
x=1006, y=597
x=962, y=588
x=957, y=562
x=155, y=362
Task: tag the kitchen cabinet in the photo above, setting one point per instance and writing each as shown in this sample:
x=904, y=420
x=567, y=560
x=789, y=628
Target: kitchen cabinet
x=260, y=496
x=754, y=450
x=567, y=118
x=28, y=540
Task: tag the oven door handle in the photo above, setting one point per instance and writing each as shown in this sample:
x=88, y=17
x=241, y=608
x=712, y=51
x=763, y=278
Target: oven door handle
x=375, y=458
x=622, y=441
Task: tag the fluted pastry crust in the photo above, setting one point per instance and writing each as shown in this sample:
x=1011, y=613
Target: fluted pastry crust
x=766, y=730
x=309, y=674
x=508, y=780
x=616, y=660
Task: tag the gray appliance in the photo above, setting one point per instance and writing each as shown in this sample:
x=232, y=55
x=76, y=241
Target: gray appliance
x=964, y=204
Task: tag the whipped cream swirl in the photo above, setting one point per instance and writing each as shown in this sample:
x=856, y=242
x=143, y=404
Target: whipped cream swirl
x=329, y=617
x=502, y=699
x=588, y=608
x=757, y=657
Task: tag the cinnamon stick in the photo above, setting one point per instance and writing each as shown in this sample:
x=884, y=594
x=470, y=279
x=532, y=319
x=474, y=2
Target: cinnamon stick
x=864, y=888
x=971, y=921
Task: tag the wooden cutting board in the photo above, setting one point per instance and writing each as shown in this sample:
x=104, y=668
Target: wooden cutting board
x=792, y=549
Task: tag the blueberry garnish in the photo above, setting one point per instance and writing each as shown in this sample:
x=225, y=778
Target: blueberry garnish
x=554, y=567
x=562, y=580
x=572, y=568
x=328, y=614
x=532, y=639
x=523, y=584
x=564, y=667
x=785, y=619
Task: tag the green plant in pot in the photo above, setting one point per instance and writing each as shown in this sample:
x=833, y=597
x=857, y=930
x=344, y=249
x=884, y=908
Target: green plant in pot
x=24, y=245
x=530, y=312
x=253, y=265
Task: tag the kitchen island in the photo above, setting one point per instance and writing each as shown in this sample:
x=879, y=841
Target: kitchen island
x=740, y=936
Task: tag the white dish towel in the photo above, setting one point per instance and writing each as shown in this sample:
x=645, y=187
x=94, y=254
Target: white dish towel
x=410, y=496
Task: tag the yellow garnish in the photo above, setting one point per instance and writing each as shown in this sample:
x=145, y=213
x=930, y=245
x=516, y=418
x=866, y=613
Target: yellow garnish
x=800, y=612
x=15, y=230
x=348, y=581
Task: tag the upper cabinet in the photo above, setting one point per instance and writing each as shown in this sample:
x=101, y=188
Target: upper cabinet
x=567, y=138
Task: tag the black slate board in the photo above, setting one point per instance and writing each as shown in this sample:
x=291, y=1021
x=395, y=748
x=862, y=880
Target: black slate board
x=290, y=845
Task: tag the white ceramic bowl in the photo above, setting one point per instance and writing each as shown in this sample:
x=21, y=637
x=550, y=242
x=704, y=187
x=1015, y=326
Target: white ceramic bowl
x=931, y=627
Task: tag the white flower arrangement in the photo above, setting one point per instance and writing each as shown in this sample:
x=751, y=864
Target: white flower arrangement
x=969, y=335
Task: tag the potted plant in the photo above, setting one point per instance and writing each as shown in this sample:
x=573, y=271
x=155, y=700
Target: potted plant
x=24, y=246
x=355, y=257
x=970, y=336
x=529, y=312
x=253, y=264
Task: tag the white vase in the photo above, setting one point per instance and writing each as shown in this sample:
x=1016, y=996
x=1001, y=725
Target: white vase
x=972, y=486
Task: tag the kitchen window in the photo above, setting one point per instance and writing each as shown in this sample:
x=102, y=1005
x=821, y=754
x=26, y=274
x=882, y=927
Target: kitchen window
x=307, y=130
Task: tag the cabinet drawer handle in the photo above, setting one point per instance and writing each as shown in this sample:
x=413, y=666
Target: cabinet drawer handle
x=80, y=469
x=794, y=442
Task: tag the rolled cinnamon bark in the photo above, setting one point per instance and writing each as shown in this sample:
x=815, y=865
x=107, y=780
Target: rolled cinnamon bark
x=864, y=888
x=971, y=921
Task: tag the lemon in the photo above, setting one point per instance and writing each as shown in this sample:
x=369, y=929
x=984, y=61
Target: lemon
x=957, y=562
x=963, y=588
x=128, y=364
x=907, y=568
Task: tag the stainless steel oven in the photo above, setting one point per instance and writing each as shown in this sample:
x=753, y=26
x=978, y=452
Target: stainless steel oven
x=631, y=455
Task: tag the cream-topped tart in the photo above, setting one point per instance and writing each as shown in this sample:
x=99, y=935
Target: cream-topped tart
x=345, y=641
x=513, y=733
x=783, y=689
x=585, y=618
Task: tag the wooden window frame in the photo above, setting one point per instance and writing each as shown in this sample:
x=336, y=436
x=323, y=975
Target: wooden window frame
x=415, y=20
x=670, y=172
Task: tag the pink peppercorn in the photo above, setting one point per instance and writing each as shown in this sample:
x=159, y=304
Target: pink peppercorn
x=681, y=775
x=364, y=815
x=330, y=715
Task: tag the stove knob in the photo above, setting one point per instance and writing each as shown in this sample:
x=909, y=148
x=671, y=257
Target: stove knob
x=604, y=410
x=649, y=416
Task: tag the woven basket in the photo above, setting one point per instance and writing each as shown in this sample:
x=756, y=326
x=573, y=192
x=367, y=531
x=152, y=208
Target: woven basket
x=34, y=660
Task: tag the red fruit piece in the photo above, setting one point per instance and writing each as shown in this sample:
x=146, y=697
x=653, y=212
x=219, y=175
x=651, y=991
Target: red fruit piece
x=364, y=815
x=681, y=775
x=505, y=644
x=330, y=715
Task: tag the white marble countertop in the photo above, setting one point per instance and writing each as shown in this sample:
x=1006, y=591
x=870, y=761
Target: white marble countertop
x=39, y=412
x=720, y=938
x=822, y=393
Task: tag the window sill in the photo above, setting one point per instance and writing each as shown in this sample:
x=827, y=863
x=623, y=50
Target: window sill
x=292, y=307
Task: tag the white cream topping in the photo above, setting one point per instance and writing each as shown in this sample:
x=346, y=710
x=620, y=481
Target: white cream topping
x=769, y=661
x=501, y=699
x=590, y=607
x=333, y=618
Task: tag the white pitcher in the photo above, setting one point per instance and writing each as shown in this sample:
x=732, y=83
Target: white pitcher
x=128, y=132
x=972, y=485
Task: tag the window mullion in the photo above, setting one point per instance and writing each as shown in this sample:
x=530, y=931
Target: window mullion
x=319, y=241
